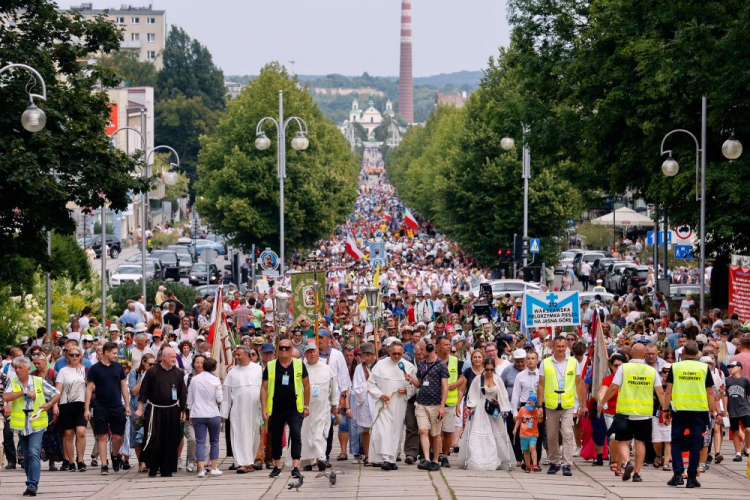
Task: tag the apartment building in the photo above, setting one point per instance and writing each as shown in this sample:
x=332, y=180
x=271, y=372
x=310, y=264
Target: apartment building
x=144, y=29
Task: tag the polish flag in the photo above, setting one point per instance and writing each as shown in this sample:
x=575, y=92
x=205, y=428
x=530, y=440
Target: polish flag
x=352, y=249
x=410, y=220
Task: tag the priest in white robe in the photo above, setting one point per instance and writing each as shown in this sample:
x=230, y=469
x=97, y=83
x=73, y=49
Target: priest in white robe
x=388, y=393
x=324, y=400
x=241, y=405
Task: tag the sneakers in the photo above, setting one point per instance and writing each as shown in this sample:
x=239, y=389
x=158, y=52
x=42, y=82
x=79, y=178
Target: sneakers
x=435, y=466
x=702, y=468
x=296, y=473
x=692, y=482
x=553, y=469
x=81, y=467
x=307, y=468
x=637, y=478
x=104, y=471
x=115, y=463
x=627, y=471
x=30, y=492
x=527, y=470
x=125, y=466
x=321, y=465
x=94, y=462
x=444, y=462
x=201, y=474
x=676, y=481
x=180, y=464
x=64, y=466
x=718, y=458
x=216, y=472
x=409, y=460
x=275, y=472
x=737, y=458
x=190, y=466
x=424, y=465
x=567, y=471
x=577, y=453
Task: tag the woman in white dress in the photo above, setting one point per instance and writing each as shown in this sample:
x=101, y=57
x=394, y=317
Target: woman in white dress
x=485, y=443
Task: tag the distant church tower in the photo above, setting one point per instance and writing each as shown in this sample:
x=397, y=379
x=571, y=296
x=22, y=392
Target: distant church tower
x=405, y=83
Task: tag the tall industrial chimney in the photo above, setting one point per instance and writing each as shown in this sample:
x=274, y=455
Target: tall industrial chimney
x=405, y=82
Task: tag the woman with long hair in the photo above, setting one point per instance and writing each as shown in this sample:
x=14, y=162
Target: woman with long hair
x=155, y=321
x=661, y=429
x=485, y=443
x=466, y=379
x=135, y=377
x=71, y=382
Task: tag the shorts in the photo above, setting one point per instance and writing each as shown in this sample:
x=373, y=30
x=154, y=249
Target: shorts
x=608, y=421
x=734, y=422
x=106, y=419
x=71, y=416
x=527, y=441
x=427, y=418
x=626, y=429
x=449, y=420
x=344, y=424
x=708, y=435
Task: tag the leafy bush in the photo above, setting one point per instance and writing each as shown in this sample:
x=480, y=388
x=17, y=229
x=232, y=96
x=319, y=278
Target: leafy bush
x=68, y=259
x=595, y=236
x=129, y=291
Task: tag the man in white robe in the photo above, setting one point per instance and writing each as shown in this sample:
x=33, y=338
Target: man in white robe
x=389, y=392
x=241, y=405
x=324, y=399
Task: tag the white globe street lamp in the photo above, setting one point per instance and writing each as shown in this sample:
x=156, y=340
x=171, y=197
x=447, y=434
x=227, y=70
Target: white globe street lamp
x=670, y=167
x=732, y=148
x=507, y=143
x=33, y=119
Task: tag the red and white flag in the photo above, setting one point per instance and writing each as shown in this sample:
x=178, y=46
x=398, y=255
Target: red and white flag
x=352, y=249
x=218, y=337
x=410, y=220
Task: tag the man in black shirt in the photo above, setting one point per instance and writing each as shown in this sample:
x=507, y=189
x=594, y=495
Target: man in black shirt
x=285, y=400
x=172, y=317
x=738, y=406
x=107, y=378
x=432, y=382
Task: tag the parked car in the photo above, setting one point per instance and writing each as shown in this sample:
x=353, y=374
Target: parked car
x=204, y=244
x=679, y=292
x=113, y=242
x=635, y=276
x=599, y=268
x=186, y=258
x=564, y=259
x=198, y=274
x=126, y=273
x=591, y=296
x=206, y=289
x=617, y=277
x=586, y=256
x=171, y=262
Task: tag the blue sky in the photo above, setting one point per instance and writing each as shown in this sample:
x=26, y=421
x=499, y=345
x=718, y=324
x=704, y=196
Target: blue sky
x=337, y=36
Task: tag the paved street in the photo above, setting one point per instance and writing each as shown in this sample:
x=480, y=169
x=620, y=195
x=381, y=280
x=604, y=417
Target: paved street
x=727, y=480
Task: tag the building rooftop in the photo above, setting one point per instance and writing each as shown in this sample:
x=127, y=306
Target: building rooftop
x=88, y=9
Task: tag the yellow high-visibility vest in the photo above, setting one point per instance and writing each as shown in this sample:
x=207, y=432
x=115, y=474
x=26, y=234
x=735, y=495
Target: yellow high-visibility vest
x=299, y=389
x=452, y=398
x=688, y=386
x=568, y=392
x=18, y=416
x=636, y=396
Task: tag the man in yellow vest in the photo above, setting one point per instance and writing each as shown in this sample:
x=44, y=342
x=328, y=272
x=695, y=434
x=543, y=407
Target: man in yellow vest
x=286, y=394
x=636, y=382
x=690, y=392
x=30, y=398
x=443, y=350
x=559, y=383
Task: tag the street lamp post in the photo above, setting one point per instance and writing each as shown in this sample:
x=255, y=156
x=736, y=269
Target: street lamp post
x=147, y=158
x=299, y=143
x=507, y=143
x=34, y=120
x=731, y=149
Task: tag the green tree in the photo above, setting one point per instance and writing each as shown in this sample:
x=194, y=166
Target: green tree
x=239, y=183
x=71, y=160
x=134, y=73
x=68, y=259
x=189, y=70
x=180, y=122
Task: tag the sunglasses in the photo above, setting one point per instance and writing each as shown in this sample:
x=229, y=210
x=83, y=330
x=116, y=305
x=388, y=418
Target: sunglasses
x=617, y=365
x=284, y=348
x=72, y=355
x=147, y=364
x=253, y=353
x=665, y=372
x=571, y=340
x=489, y=370
x=397, y=354
x=454, y=352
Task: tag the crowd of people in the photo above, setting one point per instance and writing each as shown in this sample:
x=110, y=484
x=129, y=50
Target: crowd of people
x=434, y=378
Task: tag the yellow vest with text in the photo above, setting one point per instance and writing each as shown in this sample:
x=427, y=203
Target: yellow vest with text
x=568, y=396
x=636, y=395
x=452, y=398
x=18, y=416
x=299, y=389
x=688, y=386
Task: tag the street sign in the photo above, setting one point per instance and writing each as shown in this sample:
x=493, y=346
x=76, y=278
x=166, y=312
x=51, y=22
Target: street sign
x=551, y=309
x=209, y=255
x=683, y=252
x=650, y=237
x=683, y=232
x=269, y=261
x=534, y=245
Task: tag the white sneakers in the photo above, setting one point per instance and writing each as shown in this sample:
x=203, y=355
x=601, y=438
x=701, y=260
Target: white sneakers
x=180, y=463
x=201, y=474
x=190, y=466
x=216, y=472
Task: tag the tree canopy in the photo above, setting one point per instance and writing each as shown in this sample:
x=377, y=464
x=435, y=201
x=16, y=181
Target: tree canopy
x=71, y=160
x=238, y=188
x=189, y=70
